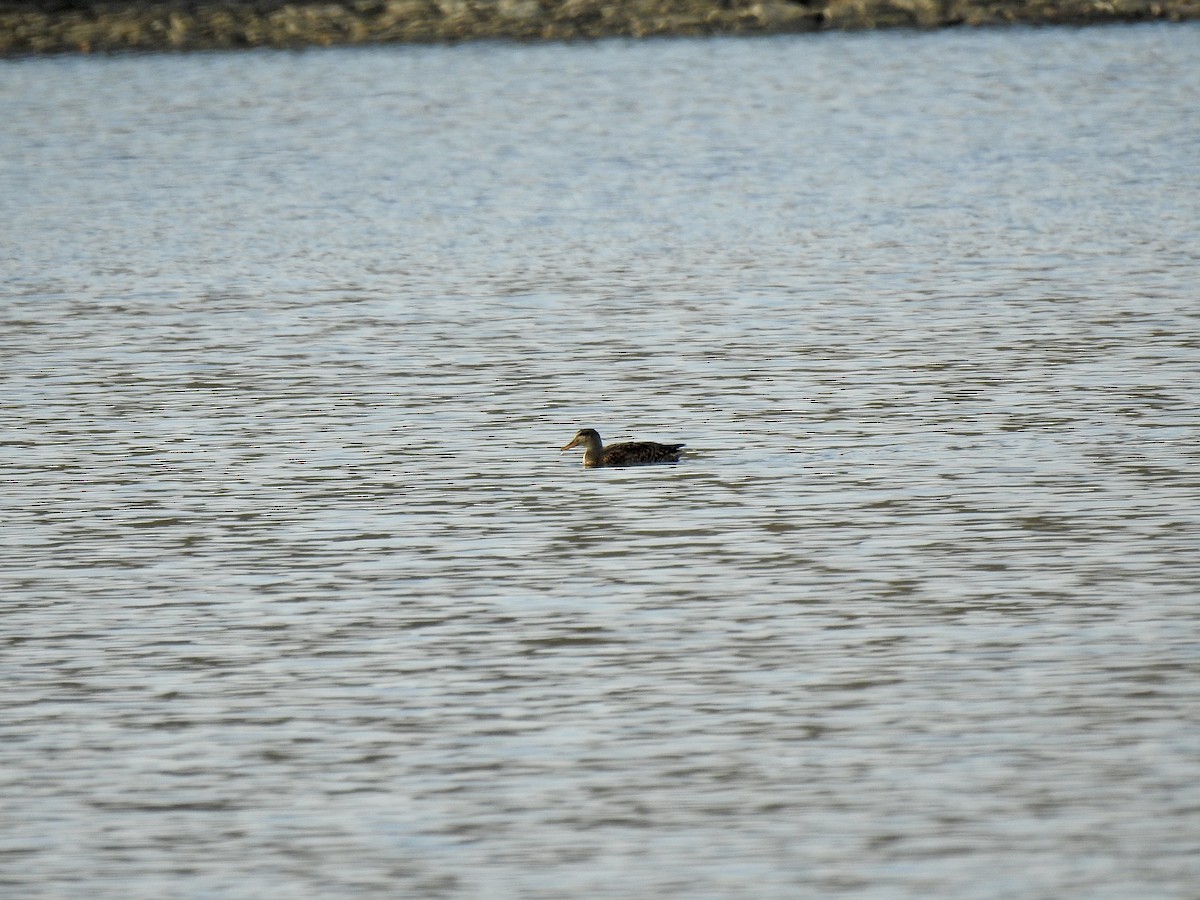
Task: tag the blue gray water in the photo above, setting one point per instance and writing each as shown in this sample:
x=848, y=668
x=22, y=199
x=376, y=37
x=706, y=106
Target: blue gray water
x=299, y=596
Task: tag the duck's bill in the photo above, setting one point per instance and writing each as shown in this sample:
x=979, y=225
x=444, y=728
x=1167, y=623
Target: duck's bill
x=574, y=443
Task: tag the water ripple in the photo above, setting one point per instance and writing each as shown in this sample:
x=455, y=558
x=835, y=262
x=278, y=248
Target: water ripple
x=300, y=596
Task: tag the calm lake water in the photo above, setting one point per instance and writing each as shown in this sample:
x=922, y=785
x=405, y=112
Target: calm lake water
x=301, y=599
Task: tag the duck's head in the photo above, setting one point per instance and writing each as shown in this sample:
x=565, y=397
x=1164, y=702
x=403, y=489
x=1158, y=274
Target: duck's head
x=583, y=436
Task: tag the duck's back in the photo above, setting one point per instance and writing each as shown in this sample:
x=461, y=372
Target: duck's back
x=641, y=453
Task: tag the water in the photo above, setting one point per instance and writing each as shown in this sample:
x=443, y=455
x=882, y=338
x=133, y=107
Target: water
x=299, y=596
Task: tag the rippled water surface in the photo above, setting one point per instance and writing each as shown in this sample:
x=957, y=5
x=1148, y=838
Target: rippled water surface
x=300, y=598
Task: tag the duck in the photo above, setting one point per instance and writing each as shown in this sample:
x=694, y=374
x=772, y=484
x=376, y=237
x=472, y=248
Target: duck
x=629, y=453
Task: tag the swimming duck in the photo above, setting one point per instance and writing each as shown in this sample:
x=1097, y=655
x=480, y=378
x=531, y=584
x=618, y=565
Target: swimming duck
x=631, y=453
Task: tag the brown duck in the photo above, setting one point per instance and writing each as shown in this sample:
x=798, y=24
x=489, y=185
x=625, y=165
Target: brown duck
x=631, y=453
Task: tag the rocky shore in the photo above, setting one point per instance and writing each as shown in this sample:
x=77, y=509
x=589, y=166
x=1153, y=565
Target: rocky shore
x=66, y=26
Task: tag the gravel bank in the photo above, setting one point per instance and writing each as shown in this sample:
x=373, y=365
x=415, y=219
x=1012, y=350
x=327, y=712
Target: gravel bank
x=66, y=26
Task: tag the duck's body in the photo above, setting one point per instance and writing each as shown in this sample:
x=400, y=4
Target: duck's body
x=630, y=453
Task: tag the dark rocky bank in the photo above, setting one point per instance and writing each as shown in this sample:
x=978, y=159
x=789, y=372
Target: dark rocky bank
x=65, y=26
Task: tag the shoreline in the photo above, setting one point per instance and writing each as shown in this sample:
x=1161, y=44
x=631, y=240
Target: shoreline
x=31, y=28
